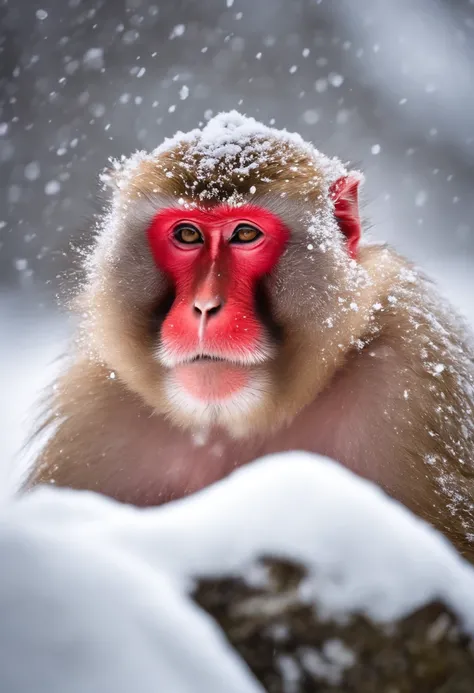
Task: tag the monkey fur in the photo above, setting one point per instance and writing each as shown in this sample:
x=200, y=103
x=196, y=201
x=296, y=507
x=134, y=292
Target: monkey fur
x=366, y=364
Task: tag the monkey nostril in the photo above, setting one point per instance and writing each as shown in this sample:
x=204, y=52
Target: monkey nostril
x=209, y=307
x=214, y=309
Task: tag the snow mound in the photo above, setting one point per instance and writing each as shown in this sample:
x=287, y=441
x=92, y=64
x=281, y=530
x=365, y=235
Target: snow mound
x=94, y=595
x=82, y=614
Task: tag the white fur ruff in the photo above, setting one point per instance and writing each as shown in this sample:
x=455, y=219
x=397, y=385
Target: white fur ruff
x=233, y=412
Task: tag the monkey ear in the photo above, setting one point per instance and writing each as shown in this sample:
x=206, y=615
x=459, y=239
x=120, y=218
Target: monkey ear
x=344, y=192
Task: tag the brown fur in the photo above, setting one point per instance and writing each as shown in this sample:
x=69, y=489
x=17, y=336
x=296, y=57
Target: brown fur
x=373, y=371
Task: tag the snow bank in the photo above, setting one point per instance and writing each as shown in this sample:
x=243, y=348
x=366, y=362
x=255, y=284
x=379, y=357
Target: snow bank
x=94, y=595
x=82, y=614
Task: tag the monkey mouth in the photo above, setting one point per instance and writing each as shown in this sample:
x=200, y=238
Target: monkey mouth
x=172, y=358
x=209, y=378
x=208, y=358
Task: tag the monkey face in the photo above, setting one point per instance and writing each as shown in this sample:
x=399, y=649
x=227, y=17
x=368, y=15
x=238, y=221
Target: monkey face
x=216, y=340
x=220, y=273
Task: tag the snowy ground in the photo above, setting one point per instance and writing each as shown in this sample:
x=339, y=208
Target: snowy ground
x=130, y=571
x=35, y=338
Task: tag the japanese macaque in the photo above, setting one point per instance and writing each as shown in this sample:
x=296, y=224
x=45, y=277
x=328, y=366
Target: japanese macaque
x=230, y=311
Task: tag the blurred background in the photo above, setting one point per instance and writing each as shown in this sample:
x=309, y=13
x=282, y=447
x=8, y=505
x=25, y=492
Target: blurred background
x=385, y=84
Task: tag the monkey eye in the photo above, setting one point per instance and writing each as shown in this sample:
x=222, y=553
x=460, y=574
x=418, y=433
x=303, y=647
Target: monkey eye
x=244, y=233
x=188, y=234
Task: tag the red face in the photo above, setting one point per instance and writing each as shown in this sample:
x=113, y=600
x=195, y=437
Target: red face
x=214, y=259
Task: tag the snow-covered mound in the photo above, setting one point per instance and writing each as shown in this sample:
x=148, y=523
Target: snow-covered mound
x=95, y=596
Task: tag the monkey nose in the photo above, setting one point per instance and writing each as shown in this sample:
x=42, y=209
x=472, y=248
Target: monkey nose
x=206, y=307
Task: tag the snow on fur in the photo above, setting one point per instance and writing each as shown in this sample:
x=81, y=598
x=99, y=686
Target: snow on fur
x=229, y=136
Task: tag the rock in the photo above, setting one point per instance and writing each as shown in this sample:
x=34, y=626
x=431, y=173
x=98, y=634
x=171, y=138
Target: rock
x=292, y=648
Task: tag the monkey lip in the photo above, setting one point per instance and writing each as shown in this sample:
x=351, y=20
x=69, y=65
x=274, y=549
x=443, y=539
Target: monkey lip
x=210, y=378
x=207, y=358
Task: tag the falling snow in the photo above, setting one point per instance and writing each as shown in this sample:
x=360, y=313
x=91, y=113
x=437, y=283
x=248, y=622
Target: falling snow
x=94, y=58
x=421, y=198
x=321, y=85
x=97, y=110
x=32, y=170
x=311, y=117
x=335, y=79
x=52, y=187
x=177, y=31
x=21, y=264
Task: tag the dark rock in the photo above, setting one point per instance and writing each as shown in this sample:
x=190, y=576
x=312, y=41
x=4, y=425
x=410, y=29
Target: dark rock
x=292, y=648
